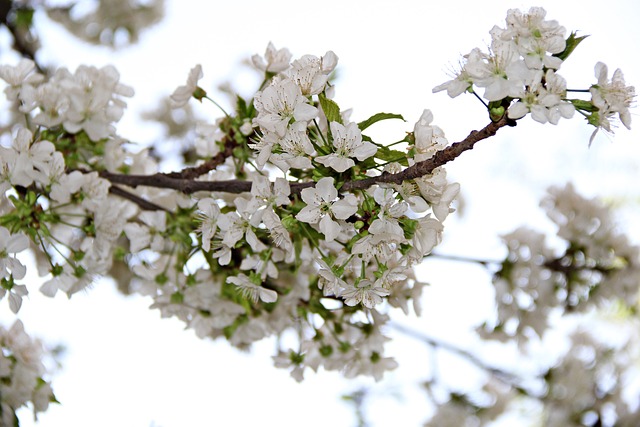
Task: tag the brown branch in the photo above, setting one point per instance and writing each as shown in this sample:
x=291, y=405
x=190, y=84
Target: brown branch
x=184, y=181
x=25, y=42
x=506, y=377
x=144, y=204
x=209, y=165
x=427, y=166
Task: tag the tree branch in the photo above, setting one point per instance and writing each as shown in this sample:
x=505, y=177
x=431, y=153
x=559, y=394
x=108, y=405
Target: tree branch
x=24, y=41
x=209, y=165
x=505, y=377
x=185, y=182
x=144, y=204
x=427, y=166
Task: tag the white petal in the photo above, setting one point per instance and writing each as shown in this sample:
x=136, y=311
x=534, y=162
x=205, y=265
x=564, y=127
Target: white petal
x=329, y=228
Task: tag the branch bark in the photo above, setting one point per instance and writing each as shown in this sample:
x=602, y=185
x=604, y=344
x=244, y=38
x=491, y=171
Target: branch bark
x=185, y=182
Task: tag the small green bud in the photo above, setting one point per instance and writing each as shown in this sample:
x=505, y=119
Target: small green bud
x=199, y=93
x=177, y=298
x=289, y=223
x=496, y=113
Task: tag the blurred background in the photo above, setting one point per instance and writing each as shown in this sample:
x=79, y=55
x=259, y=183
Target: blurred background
x=124, y=366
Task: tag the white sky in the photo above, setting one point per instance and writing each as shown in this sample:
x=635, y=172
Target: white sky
x=126, y=367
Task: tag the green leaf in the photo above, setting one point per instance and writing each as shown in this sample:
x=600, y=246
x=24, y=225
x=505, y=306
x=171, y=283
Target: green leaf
x=389, y=155
x=330, y=108
x=572, y=43
x=584, y=105
x=378, y=117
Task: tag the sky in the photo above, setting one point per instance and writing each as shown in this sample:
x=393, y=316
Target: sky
x=125, y=366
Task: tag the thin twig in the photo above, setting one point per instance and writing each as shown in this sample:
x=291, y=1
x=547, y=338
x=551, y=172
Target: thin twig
x=483, y=262
x=144, y=204
x=508, y=378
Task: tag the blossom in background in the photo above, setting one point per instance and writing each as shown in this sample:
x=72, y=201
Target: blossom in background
x=148, y=233
x=19, y=76
x=206, y=140
x=323, y=207
x=11, y=268
x=22, y=371
x=274, y=60
x=12, y=244
x=347, y=143
x=182, y=94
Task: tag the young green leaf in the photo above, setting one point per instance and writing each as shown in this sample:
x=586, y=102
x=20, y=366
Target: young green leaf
x=572, y=43
x=378, y=117
x=330, y=108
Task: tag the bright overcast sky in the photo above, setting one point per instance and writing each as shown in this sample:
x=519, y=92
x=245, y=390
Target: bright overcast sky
x=126, y=367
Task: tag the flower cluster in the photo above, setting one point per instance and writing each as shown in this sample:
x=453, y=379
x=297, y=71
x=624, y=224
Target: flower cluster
x=22, y=374
x=294, y=251
x=109, y=22
x=519, y=75
x=288, y=218
x=596, y=265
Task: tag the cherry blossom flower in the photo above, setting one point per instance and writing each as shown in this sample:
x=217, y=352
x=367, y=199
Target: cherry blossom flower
x=209, y=213
x=238, y=224
x=22, y=372
x=12, y=244
x=610, y=97
x=11, y=268
x=182, y=94
x=281, y=105
x=428, y=139
x=94, y=100
x=297, y=151
x=323, y=207
x=535, y=37
x=147, y=234
x=19, y=76
x=28, y=161
x=365, y=292
x=252, y=291
x=502, y=73
x=347, y=143
x=263, y=195
x=427, y=236
x=544, y=102
x=461, y=82
x=279, y=235
x=206, y=140
x=274, y=60
x=312, y=73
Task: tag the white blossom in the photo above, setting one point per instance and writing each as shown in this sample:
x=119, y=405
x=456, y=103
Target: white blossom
x=274, y=60
x=347, y=143
x=251, y=290
x=282, y=104
x=183, y=94
x=323, y=208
